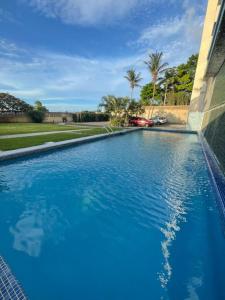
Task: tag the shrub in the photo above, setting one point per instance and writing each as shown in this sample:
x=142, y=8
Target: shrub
x=64, y=119
x=36, y=116
x=87, y=116
x=117, y=122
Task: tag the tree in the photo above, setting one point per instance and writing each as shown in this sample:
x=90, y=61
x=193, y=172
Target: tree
x=120, y=109
x=37, y=114
x=38, y=106
x=147, y=95
x=168, y=83
x=178, y=82
x=155, y=67
x=116, y=107
x=135, y=108
x=133, y=79
x=9, y=103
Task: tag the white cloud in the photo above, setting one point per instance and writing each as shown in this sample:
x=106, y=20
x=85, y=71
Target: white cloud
x=59, y=77
x=177, y=37
x=6, y=16
x=81, y=81
x=85, y=12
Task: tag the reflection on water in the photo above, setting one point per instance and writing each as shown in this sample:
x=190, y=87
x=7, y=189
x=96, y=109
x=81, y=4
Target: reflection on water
x=121, y=213
x=172, y=227
x=28, y=235
x=36, y=224
x=178, y=181
x=193, y=285
x=3, y=184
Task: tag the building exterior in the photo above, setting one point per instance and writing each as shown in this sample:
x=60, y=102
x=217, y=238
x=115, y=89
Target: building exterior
x=207, y=109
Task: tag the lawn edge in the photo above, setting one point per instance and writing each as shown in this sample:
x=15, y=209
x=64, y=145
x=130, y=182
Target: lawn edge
x=12, y=154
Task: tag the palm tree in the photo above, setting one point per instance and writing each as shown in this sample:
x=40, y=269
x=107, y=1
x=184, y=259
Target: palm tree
x=116, y=107
x=156, y=67
x=169, y=82
x=133, y=79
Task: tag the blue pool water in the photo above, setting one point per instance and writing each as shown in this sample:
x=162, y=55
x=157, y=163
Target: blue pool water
x=131, y=217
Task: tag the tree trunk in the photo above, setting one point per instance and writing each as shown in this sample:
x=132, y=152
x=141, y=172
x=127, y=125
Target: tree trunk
x=154, y=89
x=131, y=96
x=165, y=96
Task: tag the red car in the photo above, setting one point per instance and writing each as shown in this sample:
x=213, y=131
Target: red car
x=141, y=122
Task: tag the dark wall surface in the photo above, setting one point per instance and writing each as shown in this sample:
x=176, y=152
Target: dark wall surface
x=214, y=119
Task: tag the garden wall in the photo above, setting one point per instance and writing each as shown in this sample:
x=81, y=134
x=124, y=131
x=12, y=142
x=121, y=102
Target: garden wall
x=23, y=118
x=177, y=114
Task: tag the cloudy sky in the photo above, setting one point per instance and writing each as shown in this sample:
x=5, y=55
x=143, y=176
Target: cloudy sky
x=69, y=53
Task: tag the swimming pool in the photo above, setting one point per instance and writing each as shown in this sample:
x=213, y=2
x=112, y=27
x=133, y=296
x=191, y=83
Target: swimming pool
x=131, y=217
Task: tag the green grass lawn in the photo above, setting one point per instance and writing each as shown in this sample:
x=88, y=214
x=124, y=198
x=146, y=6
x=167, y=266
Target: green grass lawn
x=16, y=143
x=17, y=128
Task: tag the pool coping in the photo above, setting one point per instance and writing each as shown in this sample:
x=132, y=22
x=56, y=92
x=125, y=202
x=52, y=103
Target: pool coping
x=21, y=152
x=172, y=130
x=216, y=175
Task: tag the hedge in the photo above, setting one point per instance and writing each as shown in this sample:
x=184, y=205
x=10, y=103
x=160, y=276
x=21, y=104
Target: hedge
x=87, y=116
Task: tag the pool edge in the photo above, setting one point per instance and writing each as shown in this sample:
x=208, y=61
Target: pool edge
x=22, y=152
x=216, y=175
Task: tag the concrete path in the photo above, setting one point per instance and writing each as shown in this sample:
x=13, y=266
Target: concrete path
x=10, y=136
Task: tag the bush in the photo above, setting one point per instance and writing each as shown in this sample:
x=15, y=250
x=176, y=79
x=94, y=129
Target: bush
x=180, y=98
x=87, y=116
x=36, y=116
x=64, y=119
x=117, y=122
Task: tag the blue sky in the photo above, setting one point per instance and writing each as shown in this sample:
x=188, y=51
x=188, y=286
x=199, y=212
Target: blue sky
x=70, y=53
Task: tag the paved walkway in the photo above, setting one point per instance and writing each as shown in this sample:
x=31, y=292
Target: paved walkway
x=10, y=136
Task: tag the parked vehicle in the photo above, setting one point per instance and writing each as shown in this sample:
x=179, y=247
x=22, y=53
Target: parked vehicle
x=158, y=120
x=141, y=122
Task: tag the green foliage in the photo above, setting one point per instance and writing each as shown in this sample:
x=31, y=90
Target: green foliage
x=120, y=108
x=36, y=116
x=155, y=65
x=133, y=78
x=147, y=95
x=37, y=113
x=135, y=108
x=177, y=83
x=118, y=122
x=179, y=98
x=9, y=103
x=88, y=116
x=115, y=106
x=38, y=106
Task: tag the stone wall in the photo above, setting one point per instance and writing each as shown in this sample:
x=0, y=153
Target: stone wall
x=14, y=118
x=23, y=118
x=176, y=114
x=58, y=117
